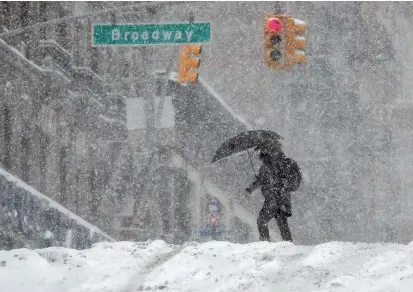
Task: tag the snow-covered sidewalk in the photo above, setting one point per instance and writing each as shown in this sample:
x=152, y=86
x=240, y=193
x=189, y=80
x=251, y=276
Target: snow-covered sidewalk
x=210, y=267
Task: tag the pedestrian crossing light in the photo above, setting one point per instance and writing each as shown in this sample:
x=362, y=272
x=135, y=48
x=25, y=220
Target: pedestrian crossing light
x=188, y=64
x=284, y=41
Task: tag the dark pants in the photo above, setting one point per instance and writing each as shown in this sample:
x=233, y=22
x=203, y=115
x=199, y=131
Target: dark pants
x=271, y=209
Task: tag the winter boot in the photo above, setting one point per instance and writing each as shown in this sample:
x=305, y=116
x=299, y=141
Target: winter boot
x=265, y=234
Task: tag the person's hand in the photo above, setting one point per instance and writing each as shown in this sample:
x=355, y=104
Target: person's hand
x=245, y=194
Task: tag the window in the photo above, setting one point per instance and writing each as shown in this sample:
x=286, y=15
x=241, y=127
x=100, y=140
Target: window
x=44, y=143
x=5, y=12
x=7, y=127
x=24, y=14
x=49, y=120
x=159, y=85
x=27, y=108
x=42, y=17
x=7, y=137
x=25, y=158
x=126, y=69
x=77, y=50
x=94, y=59
x=63, y=175
x=63, y=31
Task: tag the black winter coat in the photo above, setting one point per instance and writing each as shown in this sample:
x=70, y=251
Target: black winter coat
x=279, y=175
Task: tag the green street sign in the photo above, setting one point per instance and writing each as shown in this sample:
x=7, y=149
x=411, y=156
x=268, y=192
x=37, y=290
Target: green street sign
x=150, y=34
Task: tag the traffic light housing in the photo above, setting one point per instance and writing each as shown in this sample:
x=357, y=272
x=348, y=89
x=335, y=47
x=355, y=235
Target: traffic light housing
x=284, y=41
x=187, y=64
x=274, y=41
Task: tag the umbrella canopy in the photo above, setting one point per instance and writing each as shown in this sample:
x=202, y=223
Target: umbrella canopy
x=244, y=141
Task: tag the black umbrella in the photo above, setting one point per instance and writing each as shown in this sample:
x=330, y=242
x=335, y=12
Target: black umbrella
x=243, y=142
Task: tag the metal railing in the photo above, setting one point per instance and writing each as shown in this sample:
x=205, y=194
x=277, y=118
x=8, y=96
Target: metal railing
x=30, y=219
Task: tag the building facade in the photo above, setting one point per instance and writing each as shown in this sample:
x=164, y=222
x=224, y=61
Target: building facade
x=62, y=130
x=175, y=182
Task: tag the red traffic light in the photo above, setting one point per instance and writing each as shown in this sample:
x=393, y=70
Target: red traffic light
x=274, y=25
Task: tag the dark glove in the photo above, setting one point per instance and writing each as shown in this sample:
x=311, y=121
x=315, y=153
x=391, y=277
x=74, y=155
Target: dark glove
x=286, y=207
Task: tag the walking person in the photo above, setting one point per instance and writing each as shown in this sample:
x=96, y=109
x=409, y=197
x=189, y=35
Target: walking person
x=278, y=177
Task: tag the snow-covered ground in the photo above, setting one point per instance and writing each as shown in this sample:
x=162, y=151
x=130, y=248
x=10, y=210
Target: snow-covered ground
x=211, y=266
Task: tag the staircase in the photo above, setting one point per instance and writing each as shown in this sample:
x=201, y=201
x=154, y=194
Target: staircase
x=29, y=219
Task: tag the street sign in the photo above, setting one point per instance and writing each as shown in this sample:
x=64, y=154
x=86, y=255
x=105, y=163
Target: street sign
x=150, y=34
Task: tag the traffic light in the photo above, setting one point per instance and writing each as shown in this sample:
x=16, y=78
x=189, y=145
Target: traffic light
x=274, y=41
x=284, y=41
x=187, y=63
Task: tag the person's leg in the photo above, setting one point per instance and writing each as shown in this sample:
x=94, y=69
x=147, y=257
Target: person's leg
x=264, y=217
x=287, y=204
x=282, y=223
x=284, y=203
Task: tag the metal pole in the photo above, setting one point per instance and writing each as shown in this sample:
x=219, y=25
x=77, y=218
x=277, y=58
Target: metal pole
x=191, y=19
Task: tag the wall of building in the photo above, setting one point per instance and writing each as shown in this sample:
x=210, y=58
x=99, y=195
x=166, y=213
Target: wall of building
x=62, y=130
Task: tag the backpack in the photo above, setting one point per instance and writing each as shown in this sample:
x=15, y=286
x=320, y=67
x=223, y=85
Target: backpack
x=292, y=175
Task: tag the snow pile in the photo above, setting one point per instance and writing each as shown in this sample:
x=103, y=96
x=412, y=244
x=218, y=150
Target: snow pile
x=221, y=266
x=211, y=266
x=104, y=267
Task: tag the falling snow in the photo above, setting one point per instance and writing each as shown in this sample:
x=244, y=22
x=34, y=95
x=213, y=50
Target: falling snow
x=101, y=146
